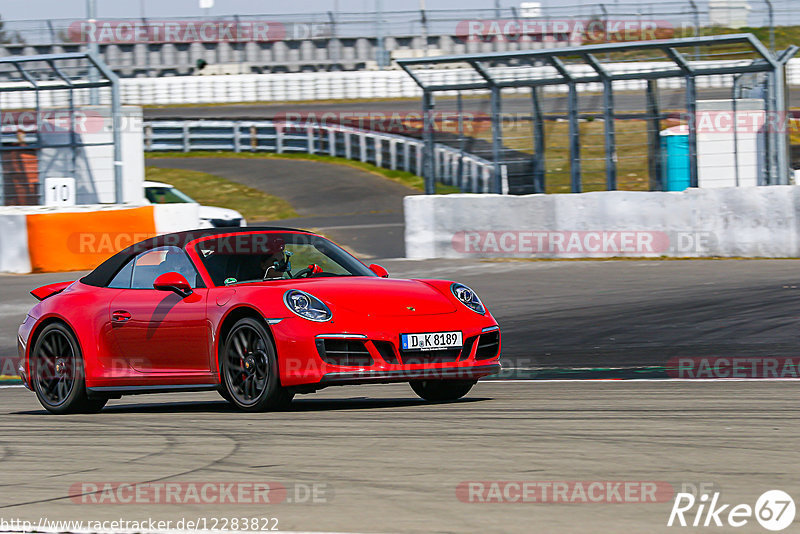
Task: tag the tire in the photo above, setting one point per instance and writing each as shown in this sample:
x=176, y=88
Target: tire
x=441, y=390
x=57, y=372
x=249, y=369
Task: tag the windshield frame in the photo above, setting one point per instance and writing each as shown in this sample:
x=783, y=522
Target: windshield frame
x=192, y=248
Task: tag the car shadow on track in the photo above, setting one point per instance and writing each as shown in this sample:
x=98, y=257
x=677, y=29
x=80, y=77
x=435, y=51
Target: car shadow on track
x=298, y=405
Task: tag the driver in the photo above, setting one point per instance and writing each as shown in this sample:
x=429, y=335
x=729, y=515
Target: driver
x=276, y=263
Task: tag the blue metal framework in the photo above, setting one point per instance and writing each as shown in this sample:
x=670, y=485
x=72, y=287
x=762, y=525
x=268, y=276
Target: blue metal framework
x=489, y=72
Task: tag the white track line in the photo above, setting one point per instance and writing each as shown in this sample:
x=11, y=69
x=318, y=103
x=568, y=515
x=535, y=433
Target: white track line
x=539, y=381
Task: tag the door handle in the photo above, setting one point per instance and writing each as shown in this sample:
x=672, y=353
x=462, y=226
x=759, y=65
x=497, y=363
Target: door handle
x=120, y=316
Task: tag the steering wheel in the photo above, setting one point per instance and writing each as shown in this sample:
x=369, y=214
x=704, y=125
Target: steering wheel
x=308, y=271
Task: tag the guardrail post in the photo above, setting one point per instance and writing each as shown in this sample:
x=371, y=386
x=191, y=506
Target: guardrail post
x=362, y=145
x=310, y=139
x=186, y=140
x=279, y=138
x=393, y=154
x=406, y=156
x=332, y=142
x=148, y=137
x=378, y=151
x=237, y=137
x=253, y=138
x=348, y=149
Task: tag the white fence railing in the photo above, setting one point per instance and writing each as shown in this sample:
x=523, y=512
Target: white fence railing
x=451, y=166
x=286, y=87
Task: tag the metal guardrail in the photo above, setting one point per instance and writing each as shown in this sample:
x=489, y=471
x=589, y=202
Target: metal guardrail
x=470, y=173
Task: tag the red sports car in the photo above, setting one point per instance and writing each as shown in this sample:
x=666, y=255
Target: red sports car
x=230, y=310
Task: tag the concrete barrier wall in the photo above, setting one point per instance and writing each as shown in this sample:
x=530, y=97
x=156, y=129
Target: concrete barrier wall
x=730, y=222
x=41, y=239
x=14, y=256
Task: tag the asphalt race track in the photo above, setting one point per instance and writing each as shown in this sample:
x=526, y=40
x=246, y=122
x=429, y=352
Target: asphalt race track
x=380, y=460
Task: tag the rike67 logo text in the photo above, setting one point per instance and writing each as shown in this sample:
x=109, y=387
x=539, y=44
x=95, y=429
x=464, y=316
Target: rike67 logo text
x=774, y=510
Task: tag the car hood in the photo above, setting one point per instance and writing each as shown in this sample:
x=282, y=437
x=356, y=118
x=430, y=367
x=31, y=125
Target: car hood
x=376, y=296
x=211, y=212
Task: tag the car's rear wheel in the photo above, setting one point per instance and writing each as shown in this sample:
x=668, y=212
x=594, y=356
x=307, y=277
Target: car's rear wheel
x=249, y=369
x=441, y=390
x=58, y=373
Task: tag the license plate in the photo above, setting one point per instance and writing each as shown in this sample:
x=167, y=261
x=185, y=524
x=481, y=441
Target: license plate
x=431, y=341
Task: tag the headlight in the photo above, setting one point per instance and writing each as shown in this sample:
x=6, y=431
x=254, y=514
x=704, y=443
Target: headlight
x=306, y=306
x=468, y=297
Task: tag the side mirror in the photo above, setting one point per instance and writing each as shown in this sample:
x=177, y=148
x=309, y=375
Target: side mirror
x=380, y=271
x=173, y=282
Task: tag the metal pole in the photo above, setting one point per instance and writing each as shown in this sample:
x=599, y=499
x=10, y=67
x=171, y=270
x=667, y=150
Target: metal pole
x=605, y=22
x=538, y=143
x=461, y=141
x=334, y=43
x=381, y=57
x=94, y=48
x=423, y=27
x=497, y=10
x=734, y=96
x=610, y=134
x=574, y=138
x=428, y=167
x=780, y=132
x=654, y=137
x=696, y=27
x=691, y=108
x=497, y=139
x=771, y=26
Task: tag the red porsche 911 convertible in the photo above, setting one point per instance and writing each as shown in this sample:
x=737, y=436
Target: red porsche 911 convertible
x=258, y=314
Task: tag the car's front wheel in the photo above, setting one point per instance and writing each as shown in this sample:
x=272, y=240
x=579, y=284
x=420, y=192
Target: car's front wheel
x=441, y=390
x=58, y=374
x=249, y=369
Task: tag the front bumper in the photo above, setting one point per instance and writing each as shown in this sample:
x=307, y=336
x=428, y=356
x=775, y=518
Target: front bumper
x=386, y=377
x=345, y=352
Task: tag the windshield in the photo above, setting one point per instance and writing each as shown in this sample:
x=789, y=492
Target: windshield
x=166, y=195
x=243, y=258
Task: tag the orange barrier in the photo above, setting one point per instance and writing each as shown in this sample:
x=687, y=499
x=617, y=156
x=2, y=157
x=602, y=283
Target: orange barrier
x=79, y=241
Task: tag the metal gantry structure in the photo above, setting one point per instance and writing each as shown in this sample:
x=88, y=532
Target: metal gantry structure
x=67, y=84
x=573, y=68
